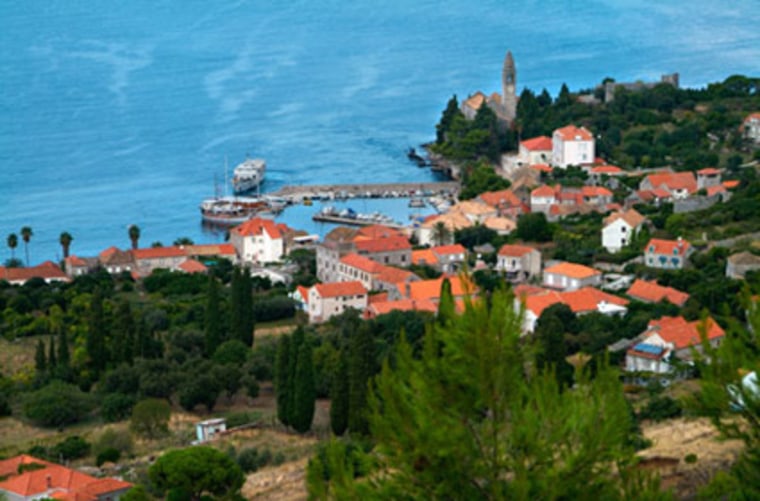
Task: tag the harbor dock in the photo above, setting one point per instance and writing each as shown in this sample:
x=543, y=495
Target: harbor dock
x=299, y=193
x=348, y=221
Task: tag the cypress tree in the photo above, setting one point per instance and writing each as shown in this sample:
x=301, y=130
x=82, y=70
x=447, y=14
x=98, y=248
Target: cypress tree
x=124, y=339
x=246, y=308
x=236, y=305
x=446, y=308
x=339, y=396
x=213, y=318
x=63, y=370
x=281, y=378
x=305, y=393
x=96, y=341
x=360, y=368
x=52, y=363
x=295, y=347
x=40, y=361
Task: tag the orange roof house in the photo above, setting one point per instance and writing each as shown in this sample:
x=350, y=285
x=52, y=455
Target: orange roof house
x=375, y=231
x=667, y=254
x=431, y=289
x=192, y=266
x=389, y=244
x=55, y=481
x=255, y=227
x=669, y=338
x=337, y=289
x=376, y=309
x=158, y=253
x=652, y=292
x=48, y=271
x=570, y=276
x=423, y=257
x=580, y=301
x=677, y=184
x=573, y=133
x=330, y=299
x=258, y=240
x=540, y=143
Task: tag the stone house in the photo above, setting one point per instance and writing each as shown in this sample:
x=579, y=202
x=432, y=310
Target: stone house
x=518, y=262
x=115, y=260
x=737, y=265
x=336, y=244
x=48, y=271
x=153, y=258
x=537, y=150
x=750, y=127
x=395, y=250
x=679, y=185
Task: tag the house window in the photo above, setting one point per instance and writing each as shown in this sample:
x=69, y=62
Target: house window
x=403, y=258
x=386, y=259
x=622, y=229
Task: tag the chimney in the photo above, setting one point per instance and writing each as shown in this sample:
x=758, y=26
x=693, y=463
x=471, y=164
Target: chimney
x=408, y=289
x=48, y=482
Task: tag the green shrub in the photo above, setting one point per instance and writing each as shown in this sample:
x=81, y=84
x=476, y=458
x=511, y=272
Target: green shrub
x=660, y=408
x=251, y=459
x=71, y=448
x=110, y=455
x=112, y=438
x=57, y=404
x=236, y=419
x=150, y=418
x=690, y=458
x=117, y=407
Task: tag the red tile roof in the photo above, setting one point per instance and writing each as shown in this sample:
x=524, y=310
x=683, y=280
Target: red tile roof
x=709, y=171
x=542, y=168
x=375, y=231
x=381, y=308
x=669, y=247
x=583, y=300
x=631, y=216
x=303, y=292
x=424, y=256
x=389, y=244
x=192, y=266
x=73, y=260
x=500, y=198
x=361, y=263
x=337, y=289
x=683, y=334
x=443, y=250
x=652, y=292
x=380, y=297
x=158, y=252
x=573, y=133
x=109, y=252
x=610, y=170
x=515, y=250
x=210, y=250
x=674, y=181
x=544, y=191
x=47, y=270
x=595, y=191
x=257, y=226
x=431, y=289
x=391, y=275
x=55, y=480
x=540, y=143
x=730, y=184
x=572, y=270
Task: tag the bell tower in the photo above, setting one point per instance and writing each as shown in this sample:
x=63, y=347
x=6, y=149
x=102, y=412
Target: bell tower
x=508, y=88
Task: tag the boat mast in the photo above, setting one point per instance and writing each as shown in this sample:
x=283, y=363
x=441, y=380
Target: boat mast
x=226, y=177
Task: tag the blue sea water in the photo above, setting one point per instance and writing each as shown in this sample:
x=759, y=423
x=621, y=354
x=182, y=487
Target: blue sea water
x=114, y=113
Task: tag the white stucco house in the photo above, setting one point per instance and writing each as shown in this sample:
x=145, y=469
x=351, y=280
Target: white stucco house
x=258, y=240
x=619, y=228
x=328, y=300
x=572, y=145
x=571, y=276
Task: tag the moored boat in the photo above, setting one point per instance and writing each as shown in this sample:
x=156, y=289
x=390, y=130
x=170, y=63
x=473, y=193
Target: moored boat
x=248, y=175
x=230, y=211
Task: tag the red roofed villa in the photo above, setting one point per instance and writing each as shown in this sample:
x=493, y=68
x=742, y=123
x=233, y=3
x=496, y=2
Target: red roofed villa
x=667, y=254
x=49, y=480
x=258, y=240
x=652, y=292
x=518, y=262
x=571, y=276
x=679, y=185
x=670, y=338
x=330, y=299
x=536, y=150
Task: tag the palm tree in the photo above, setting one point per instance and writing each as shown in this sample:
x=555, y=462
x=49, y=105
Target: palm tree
x=441, y=233
x=26, y=235
x=134, y=235
x=13, y=243
x=183, y=241
x=65, y=240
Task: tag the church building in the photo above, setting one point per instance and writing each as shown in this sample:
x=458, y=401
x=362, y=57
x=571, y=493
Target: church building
x=504, y=105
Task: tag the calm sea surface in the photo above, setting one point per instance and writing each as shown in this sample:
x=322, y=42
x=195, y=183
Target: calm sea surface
x=113, y=113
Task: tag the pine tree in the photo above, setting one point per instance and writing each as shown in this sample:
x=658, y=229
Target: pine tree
x=452, y=109
x=96, y=335
x=281, y=379
x=339, y=397
x=213, y=328
x=305, y=393
x=360, y=369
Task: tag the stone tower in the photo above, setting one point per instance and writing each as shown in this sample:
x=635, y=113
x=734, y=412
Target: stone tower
x=508, y=88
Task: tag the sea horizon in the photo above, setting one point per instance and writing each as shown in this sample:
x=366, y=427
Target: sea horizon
x=118, y=114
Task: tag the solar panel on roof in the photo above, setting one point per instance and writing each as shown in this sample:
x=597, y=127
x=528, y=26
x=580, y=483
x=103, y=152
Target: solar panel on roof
x=649, y=348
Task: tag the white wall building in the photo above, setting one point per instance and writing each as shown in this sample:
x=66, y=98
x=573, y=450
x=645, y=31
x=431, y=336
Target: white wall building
x=328, y=300
x=258, y=240
x=620, y=228
x=572, y=145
